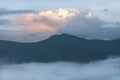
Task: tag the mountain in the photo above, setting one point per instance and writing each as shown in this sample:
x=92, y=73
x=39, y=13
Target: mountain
x=59, y=48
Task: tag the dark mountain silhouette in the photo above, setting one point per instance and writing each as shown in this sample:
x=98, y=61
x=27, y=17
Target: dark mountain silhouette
x=59, y=48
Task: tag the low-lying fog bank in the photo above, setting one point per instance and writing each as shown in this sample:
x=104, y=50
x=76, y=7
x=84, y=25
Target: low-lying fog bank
x=108, y=69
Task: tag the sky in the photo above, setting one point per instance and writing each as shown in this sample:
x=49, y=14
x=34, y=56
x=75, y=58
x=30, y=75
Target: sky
x=31, y=21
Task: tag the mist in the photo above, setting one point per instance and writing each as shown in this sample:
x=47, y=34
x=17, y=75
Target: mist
x=108, y=69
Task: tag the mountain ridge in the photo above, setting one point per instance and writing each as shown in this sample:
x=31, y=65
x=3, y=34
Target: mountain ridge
x=58, y=35
x=59, y=48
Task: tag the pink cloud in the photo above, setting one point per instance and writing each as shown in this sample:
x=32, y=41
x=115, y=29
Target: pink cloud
x=45, y=23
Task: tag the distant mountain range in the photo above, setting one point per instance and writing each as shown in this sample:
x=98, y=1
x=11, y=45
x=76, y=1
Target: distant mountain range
x=59, y=48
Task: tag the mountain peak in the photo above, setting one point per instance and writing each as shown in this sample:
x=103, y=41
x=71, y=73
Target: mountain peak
x=65, y=36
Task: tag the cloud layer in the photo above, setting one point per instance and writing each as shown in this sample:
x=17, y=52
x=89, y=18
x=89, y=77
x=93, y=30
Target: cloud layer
x=4, y=22
x=34, y=27
x=101, y=70
x=4, y=11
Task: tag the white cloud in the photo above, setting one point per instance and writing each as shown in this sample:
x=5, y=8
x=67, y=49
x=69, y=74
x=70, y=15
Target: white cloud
x=100, y=70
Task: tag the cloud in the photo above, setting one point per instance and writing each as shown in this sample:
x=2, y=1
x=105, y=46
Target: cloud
x=105, y=10
x=4, y=22
x=51, y=19
x=92, y=27
x=44, y=24
x=100, y=70
x=39, y=26
x=4, y=11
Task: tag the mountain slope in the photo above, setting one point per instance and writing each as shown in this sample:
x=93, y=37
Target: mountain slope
x=59, y=48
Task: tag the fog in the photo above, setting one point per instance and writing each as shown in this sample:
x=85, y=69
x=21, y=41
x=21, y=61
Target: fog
x=108, y=69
